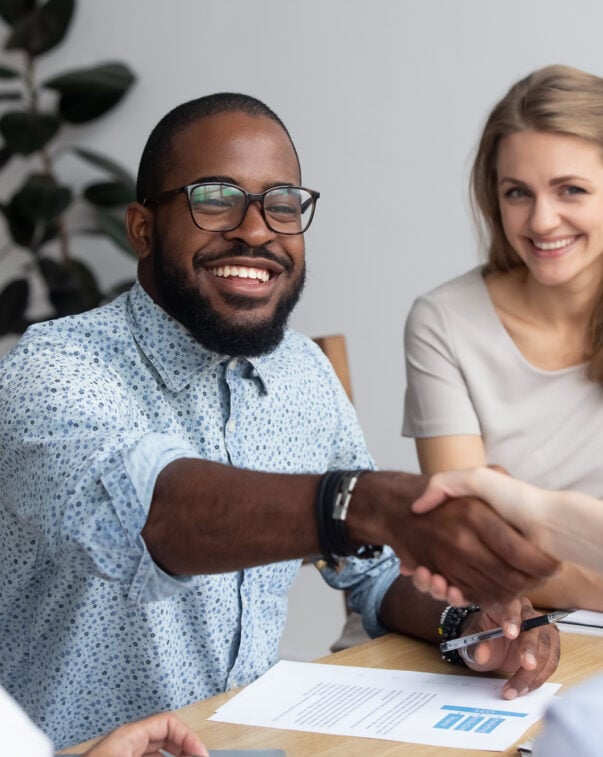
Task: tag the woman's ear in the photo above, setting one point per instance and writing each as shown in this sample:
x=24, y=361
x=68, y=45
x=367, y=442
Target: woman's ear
x=139, y=226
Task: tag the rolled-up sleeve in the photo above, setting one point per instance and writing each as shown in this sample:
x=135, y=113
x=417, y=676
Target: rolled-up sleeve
x=366, y=582
x=81, y=470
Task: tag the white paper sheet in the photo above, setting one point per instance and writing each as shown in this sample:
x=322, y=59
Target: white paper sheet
x=20, y=737
x=583, y=621
x=467, y=712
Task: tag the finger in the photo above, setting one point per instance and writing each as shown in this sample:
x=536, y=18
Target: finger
x=543, y=659
x=454, y=596
x=429, y=500
x=438, y=587
x=421, y=579
x=511, y=615
x=443, y=486
x=148, y=736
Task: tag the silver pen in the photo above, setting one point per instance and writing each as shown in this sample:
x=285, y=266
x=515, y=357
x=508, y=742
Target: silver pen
x=495, y=633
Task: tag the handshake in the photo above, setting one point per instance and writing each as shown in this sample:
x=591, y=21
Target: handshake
x=477, y=535
x=551, y=526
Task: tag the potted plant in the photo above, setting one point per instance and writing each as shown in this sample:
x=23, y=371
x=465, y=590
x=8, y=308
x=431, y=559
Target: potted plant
x=39, y=214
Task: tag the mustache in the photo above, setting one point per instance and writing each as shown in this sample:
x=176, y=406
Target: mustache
x=241, y=250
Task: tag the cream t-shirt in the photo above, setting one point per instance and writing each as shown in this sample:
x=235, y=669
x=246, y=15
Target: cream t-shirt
x=466, y=376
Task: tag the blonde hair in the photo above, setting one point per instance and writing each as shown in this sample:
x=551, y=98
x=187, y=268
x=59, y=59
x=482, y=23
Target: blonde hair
x=554, y=99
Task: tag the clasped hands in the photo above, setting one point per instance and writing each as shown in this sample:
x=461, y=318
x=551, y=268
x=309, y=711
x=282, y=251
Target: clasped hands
x=466, y=552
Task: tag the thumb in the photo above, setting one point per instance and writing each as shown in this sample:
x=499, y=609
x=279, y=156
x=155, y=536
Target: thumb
x=433, y=496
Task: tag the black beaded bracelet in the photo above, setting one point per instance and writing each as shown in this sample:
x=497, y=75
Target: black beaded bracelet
x=451, y=620
x=333, y=497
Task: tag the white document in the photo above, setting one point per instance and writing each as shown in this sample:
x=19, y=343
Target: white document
x=20, y=737
x=466, y=712
x=583, y=621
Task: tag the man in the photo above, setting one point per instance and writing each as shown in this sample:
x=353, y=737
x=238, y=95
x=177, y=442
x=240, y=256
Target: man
x=161, y=460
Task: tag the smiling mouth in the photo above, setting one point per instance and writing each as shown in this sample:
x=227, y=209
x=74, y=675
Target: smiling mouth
x=558, y=244
x=241, y=272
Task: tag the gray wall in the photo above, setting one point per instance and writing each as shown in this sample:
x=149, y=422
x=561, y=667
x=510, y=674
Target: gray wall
x=384, y=99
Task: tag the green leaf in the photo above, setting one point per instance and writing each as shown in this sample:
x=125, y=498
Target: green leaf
x=8, y=73
x=23, y=231
x=41, y=199
x=11, y=96
x=5, y=156
x=42, y=28
x=25, y=132
x=11, y=10
x=109, y=194
x=113, y=227
x=72, y=287
x=88, y=93
x=14, y=299
x=100, y=161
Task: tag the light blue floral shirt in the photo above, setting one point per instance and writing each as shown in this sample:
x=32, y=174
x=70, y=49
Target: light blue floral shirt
x=93, y=633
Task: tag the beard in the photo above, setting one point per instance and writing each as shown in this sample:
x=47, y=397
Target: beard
x=213, y=331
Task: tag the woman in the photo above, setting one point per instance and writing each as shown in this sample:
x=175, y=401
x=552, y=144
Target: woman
x=569, y=526
x=505, y=363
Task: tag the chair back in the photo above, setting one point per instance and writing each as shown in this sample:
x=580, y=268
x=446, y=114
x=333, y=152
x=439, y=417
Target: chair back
x=334, y=348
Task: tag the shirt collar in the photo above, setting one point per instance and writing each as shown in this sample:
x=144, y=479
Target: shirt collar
x=172, y=350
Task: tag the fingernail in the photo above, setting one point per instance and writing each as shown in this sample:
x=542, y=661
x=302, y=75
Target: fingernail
x=530, y=660
x=523, y=692
x=510, y=693
x=512, y=628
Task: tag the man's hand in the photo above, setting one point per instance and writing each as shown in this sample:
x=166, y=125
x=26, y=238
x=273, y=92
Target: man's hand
x=466, y=542
x=528, y=658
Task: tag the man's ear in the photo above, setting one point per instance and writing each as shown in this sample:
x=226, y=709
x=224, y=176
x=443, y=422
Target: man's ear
x=139, y=226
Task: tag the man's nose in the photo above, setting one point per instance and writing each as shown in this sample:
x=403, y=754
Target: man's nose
x=253, y=229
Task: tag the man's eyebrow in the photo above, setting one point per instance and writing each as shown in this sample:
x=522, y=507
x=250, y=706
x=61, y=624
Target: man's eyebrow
x=232, y=180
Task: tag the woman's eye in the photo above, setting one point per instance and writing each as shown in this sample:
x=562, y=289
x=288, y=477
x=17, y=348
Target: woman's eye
x=516, y=193
x=572, y=190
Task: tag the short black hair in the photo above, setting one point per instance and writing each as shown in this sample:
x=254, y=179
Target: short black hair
x=156, y=155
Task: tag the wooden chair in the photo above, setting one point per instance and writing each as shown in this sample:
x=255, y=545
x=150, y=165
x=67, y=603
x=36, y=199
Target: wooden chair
x=334, y=348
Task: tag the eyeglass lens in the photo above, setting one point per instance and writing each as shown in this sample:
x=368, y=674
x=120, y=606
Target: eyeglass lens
x=218, y=207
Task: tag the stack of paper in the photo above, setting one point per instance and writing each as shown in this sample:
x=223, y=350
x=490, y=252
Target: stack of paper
x=583, y=621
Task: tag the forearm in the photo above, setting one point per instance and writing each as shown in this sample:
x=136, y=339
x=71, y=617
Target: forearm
x=407, y=611
x=567, y=525
x=571, y=586
x=211, y=518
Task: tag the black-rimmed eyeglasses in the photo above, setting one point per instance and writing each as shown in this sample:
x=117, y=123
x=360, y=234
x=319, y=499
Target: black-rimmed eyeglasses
x=217, y=206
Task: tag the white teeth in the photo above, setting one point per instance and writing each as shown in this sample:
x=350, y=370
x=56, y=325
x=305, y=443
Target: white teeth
x=241, y=272
x=559, y=244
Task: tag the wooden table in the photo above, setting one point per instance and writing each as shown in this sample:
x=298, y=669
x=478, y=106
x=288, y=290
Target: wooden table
x=581, y=656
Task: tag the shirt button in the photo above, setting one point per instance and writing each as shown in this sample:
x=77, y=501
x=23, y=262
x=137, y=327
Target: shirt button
x=231, y=425
x=233, y=363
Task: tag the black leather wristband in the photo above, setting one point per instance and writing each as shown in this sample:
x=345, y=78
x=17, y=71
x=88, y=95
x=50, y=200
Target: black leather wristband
x=333, y=497
x=451, y=621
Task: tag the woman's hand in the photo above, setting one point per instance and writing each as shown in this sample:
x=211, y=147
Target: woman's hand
x=148, y=736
